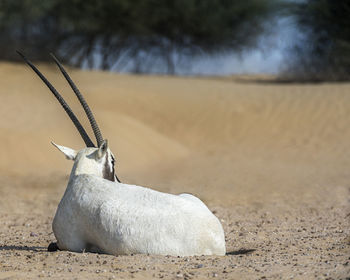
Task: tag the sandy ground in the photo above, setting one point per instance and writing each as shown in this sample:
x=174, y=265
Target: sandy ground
x=270, y=160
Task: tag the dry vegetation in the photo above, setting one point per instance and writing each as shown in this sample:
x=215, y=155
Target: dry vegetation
x=271, y=160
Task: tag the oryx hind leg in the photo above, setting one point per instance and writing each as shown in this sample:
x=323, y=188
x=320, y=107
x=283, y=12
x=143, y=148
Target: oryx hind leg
x=73, y=244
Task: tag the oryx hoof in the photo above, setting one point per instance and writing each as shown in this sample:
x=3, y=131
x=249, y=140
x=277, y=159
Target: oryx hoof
x=52, y=247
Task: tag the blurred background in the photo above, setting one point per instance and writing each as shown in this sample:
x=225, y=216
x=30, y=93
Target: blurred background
x=298, y=40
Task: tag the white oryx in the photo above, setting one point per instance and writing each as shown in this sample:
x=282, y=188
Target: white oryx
x=99, y=214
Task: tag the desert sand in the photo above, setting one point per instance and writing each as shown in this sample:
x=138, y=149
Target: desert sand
x=271, y=160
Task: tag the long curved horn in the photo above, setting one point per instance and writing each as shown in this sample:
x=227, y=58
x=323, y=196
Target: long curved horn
x=63, y=103
x=83, y=103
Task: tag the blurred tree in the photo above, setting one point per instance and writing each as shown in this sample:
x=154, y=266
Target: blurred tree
x=325, y=54
x=115, y=33
x=25, y=24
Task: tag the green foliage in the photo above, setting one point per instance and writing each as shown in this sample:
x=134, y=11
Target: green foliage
x=122, y=28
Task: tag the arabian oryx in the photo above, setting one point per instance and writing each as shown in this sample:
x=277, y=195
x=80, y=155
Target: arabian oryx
x=100, y=214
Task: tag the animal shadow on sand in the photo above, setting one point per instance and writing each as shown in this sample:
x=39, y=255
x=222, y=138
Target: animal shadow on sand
x=44, y=249
x=240, y=252
x=23, y=248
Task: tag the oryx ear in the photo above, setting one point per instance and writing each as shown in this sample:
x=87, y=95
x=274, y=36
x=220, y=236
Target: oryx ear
x=101, y=152
x=68, y=152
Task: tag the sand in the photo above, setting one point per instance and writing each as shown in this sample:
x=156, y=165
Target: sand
x=271, y=160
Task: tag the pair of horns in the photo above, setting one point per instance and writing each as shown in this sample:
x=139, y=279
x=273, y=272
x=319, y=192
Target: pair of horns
x=66, y=107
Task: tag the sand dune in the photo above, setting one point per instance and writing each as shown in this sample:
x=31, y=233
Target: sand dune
x=275, y=148
x=170, y=131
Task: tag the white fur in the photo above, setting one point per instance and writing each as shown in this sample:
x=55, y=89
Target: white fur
x=109, y=217
x=68, y=152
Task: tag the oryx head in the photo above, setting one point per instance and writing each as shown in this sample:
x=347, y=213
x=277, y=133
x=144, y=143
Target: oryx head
x=91, y=160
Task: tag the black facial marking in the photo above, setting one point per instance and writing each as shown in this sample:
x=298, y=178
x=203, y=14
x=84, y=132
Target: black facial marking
x=106, y=172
